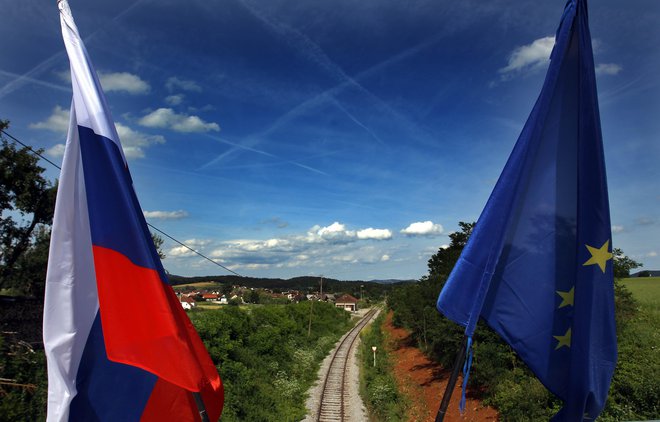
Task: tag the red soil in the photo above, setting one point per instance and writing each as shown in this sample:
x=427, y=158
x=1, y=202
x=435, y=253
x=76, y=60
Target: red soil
x=423, y=382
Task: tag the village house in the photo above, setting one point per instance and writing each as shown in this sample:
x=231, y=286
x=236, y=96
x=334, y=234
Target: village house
x=330, y=297
x=211, y=297
x=347, y=302
x=187, y=302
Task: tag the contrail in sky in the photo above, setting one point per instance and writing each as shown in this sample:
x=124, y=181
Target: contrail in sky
x=357, y=122
x=30, y=75
x=315, y=54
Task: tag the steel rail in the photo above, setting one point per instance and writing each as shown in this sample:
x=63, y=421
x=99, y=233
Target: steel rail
x=337, y=369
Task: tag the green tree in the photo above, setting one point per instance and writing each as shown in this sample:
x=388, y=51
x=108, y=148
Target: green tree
x=227, y=289
x=27, y=202
x=441, y=264
x=158, y=243
x=414, y=304
x=624, y=303
x=623, y=264
x=253, y=297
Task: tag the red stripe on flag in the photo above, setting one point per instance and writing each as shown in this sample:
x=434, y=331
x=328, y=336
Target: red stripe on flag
x=145, y=326
x=171, y=403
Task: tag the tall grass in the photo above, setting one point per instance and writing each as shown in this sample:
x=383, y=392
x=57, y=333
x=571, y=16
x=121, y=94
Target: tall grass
x=378, y=387
x=635, y=391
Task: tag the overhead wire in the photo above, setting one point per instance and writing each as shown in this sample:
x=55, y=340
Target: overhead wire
x=149, y=224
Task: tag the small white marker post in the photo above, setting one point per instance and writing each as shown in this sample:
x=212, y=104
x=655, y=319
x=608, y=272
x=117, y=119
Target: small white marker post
x=374, y=350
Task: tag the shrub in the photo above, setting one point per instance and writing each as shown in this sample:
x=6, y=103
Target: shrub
x=378, y=387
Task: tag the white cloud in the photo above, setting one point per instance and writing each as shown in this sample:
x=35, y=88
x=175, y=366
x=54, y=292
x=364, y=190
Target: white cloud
x=423, y=228
x=529, y=57
x=56, y=151
x=652, y=254
x=182, y=251
x=317, y=248
x=645, y=221
x=123, y=81
x=179, y=251
x=166, y=215
x=608, y=69
x=134, y=142
x=377, y=234
x=167, y=118
x=174, y=99
x=334, y=233
x=174, y=83
x=337, y=232
x=56, y=122
x=617, y=229
x=332, y=230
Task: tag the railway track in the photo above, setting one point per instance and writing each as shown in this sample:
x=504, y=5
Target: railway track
x=333, y=406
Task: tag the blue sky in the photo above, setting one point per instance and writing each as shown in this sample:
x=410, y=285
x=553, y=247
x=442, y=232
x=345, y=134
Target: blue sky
x=342, y=138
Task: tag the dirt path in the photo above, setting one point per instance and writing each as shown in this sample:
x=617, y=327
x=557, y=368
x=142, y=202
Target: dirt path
x=424, y=382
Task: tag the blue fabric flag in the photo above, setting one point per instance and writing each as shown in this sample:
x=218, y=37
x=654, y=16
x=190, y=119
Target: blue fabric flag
x=538, y=266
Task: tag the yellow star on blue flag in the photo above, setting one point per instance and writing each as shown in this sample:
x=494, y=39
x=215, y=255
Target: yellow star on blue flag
x=564, y=340
x=599, y=256
x=566, y=297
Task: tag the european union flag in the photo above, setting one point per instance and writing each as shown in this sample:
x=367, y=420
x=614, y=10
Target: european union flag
x=538, y=266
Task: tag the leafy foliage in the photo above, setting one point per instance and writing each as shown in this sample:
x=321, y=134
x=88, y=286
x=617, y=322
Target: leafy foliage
x=377, y=385
x=265, y=358
x=158, y=243
x=623, y=264
x=27, y=202
x=23, y=386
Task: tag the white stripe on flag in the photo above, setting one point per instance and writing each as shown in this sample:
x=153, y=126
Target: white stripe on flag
x=71, y=301
x=88, y=99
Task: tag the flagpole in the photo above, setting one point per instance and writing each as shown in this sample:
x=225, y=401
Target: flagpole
x=460, y=357
x=200, y=406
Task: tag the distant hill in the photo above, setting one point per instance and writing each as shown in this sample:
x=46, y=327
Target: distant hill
x=646, y=273
x=296, y=283
x=394, y=281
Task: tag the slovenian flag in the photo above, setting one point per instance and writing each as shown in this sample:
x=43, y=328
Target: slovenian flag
x=118, y=343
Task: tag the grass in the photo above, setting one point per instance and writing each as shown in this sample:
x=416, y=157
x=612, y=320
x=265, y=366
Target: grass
x=200, y=285
x=635, y=394
x=210, y=305
x=645, y=290
x=378, y=387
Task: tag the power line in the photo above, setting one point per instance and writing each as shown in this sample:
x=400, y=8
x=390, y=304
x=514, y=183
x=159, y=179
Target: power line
x=149, y=224
x=192, y=250
x=31, y=150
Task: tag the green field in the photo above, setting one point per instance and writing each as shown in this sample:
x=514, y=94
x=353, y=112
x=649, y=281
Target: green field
x=646, y=290
x=201, y=285
x=635, y=392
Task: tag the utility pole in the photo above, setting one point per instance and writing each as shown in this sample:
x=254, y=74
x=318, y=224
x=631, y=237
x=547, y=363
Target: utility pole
x=311, y=308
x=309, y=327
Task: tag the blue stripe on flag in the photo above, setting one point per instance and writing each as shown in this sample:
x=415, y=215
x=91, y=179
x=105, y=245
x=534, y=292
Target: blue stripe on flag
x=115, y=218
x=108, y=391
